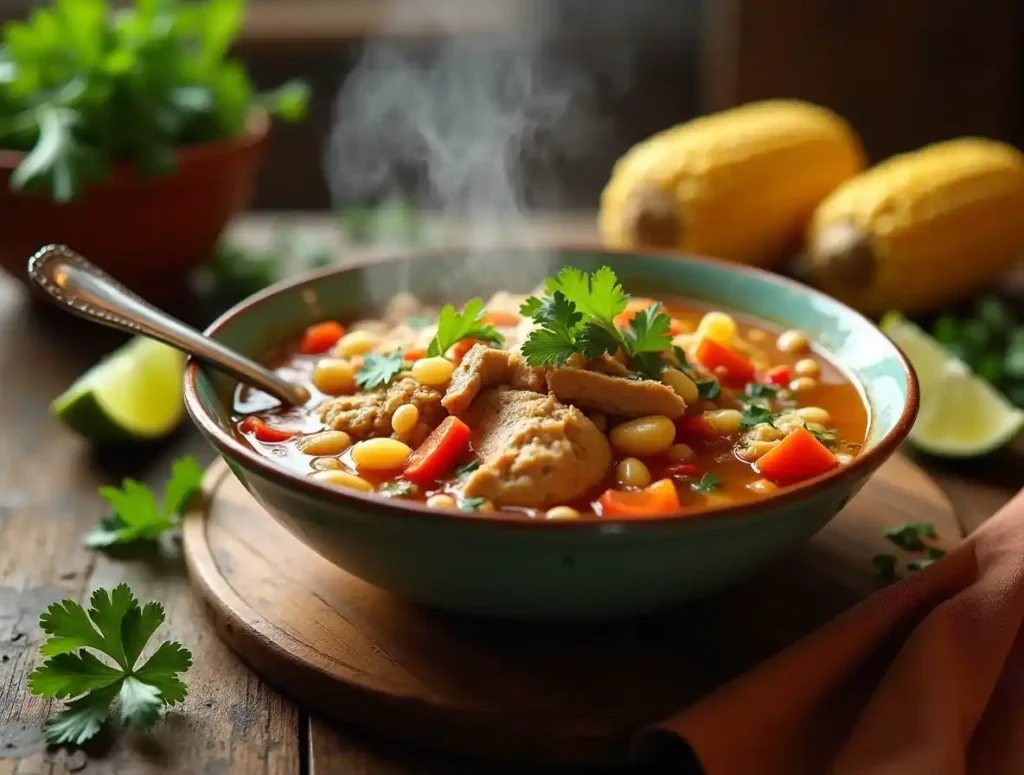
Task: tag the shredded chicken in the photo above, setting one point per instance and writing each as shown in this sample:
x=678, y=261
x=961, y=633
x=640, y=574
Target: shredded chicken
x=483, y=367
x=614, y=395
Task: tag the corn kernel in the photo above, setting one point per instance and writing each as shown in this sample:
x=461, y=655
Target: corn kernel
x=404, y=419
x=718, y=327
x=380, y=454
x=433, y=372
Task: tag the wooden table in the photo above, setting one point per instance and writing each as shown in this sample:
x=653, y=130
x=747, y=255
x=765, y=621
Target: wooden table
x=232, y=721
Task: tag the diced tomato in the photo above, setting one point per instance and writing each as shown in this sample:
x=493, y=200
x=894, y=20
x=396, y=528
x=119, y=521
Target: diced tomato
x=439, y=453
x=797, y=457
x=714, y=355
x=654, y=500
x=693, y=427
x=462, y=347
x=501, y=319
x=264, y=432
x=682, y=469
x=415, y=354
x=778, y=376
x=320, y=338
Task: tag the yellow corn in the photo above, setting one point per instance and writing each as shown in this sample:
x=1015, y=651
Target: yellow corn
x=741, y=184
x=921, y=230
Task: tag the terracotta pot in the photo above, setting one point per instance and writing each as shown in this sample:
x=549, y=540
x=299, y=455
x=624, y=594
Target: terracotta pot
x=146, y=232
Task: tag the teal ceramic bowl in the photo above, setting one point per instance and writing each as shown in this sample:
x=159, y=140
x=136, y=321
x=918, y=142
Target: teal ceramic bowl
x=512, y=567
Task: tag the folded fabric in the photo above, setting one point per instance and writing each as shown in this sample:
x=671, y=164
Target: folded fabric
x=926, y=676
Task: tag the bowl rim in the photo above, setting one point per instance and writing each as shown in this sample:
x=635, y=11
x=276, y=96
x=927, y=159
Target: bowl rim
x=227, y=445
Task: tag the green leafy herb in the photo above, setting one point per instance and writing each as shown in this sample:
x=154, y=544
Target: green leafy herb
x=597, y=296
x=556, y=337
x=137, y=517
x=827, y=437
x=885, y=564
x=398, y=489
x=117, y=627
x=758, y=390
x=910, y=535
x=86, y=84
x=453, y=327
x=707, y=483
x=471, y=504
x=379, y=369
x=934, y=553
x=753, y=414
x=461, y=471
x=709, y=388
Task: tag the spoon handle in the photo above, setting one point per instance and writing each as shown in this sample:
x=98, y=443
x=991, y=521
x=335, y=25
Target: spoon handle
x=88, y=292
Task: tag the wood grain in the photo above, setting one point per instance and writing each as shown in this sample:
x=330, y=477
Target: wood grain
x=521, y=692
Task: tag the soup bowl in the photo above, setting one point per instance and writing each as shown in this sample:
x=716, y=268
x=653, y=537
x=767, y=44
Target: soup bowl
x=509, y=566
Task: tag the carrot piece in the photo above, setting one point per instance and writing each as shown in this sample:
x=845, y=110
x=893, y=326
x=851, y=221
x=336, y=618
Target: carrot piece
x=797, y=457
x=738, y=370
x=682, y=469
x=780, y=376
x=264, y=432
x=320, y=337
x=501, y=319
x=652, y=501
x=439, y=452
x=415, y=354
x=460, y=348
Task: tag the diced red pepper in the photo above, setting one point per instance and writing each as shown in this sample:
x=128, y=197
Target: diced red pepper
x=415, y=354
x=654, y=500
x=778, y=376
x=501, y=319
x=714, y=355
x=439, y=453
x=682, y=469
x=693, y=427
x=264, y=432
x=320, y=338
x=462, y=347
x=797, y=457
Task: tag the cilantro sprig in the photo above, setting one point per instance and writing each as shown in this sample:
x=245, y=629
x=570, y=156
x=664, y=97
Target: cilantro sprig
x=755, y=414
x=911, y=535
x=707, y=483
x=453, y=327
x=577, y=315
x=379, y=369
x=118, y=628
x=137, y=517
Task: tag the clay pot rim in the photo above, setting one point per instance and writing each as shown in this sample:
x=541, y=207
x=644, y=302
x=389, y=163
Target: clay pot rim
x=188, y=157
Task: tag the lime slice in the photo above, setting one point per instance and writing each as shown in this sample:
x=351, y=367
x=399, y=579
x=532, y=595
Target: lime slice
x=134, y=394
x=961, y=414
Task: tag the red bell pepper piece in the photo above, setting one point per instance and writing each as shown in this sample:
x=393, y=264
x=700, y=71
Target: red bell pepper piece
x=320, y=338
x=439, y=452
x=264, y=432
x=652, y=501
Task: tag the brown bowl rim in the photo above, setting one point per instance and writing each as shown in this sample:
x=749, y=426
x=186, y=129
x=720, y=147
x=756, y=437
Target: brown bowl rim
x=227, y=445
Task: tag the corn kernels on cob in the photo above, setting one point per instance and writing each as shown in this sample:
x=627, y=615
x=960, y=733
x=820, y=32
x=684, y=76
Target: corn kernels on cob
x=922, y=229
x=740, y=184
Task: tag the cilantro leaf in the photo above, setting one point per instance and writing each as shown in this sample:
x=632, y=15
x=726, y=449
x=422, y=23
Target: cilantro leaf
x=453, y=327
x=707, y=483
x=545, y=347
x=910, y=535
x=117, y=627
x=467, y=468
x=595, y=340
x=379, y=369
x=598, y=295
x=885, y=564
x=398, y=489
x=755, y=415
x=137, y=517
x=934, y=553
x=709, y=388
x=827, y=437
x=648, y=331
x=759, y=390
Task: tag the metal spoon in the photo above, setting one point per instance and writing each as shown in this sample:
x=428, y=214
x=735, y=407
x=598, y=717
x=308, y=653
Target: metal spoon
x=88, y=292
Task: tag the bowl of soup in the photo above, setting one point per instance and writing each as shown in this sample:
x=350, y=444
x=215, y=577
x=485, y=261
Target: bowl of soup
x=573, y=434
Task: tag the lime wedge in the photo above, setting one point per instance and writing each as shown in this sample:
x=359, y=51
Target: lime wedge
x=961, y=414
x=134, y=394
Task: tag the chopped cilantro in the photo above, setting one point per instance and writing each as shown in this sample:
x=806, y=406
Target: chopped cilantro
x=398, y=489
x=379, y=369
x=827, y=437
x=885, y=564
x=598, y=296
x=467, y=468
x=758, y=390
x=471, y=504
x=709, y=388
x=934, y=553
x=453, y=327
x=754, y=414
x=556, y=338
x=909, y=536
x=707, y=483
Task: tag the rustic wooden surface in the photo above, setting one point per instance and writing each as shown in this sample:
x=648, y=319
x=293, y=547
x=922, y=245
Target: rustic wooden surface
x=232, y=722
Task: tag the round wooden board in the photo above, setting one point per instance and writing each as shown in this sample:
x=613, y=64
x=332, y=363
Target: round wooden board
x=557, y=694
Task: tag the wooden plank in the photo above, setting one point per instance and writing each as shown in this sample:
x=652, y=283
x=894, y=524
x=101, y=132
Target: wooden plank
x=231, y=723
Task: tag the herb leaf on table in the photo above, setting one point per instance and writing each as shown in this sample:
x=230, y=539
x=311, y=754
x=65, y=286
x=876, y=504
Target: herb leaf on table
x=118, y=628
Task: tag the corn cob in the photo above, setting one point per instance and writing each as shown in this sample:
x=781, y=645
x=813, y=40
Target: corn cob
x=740, y=184
x=922, y=229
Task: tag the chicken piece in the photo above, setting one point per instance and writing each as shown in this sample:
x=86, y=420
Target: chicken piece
x=368, y=414
x=615, y=395
x=483, y=367
x=534, y=451
x=608, y=364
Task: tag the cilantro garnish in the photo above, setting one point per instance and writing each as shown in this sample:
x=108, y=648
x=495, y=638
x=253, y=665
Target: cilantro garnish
x=753, y=414
x=467, y=468
x=909, y=536
x=398, y=489
x=453, y=327
x=709, y=388
x=118, y=628
x=934, y=554
x=379, y=369
x=707, y=483
x=827, y=437
x=137, y=517
x=885, y=564
x=577, y=315
x=759, y=390
x=471, y=504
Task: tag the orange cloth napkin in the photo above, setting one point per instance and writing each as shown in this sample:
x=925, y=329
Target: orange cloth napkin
x=926, y=676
